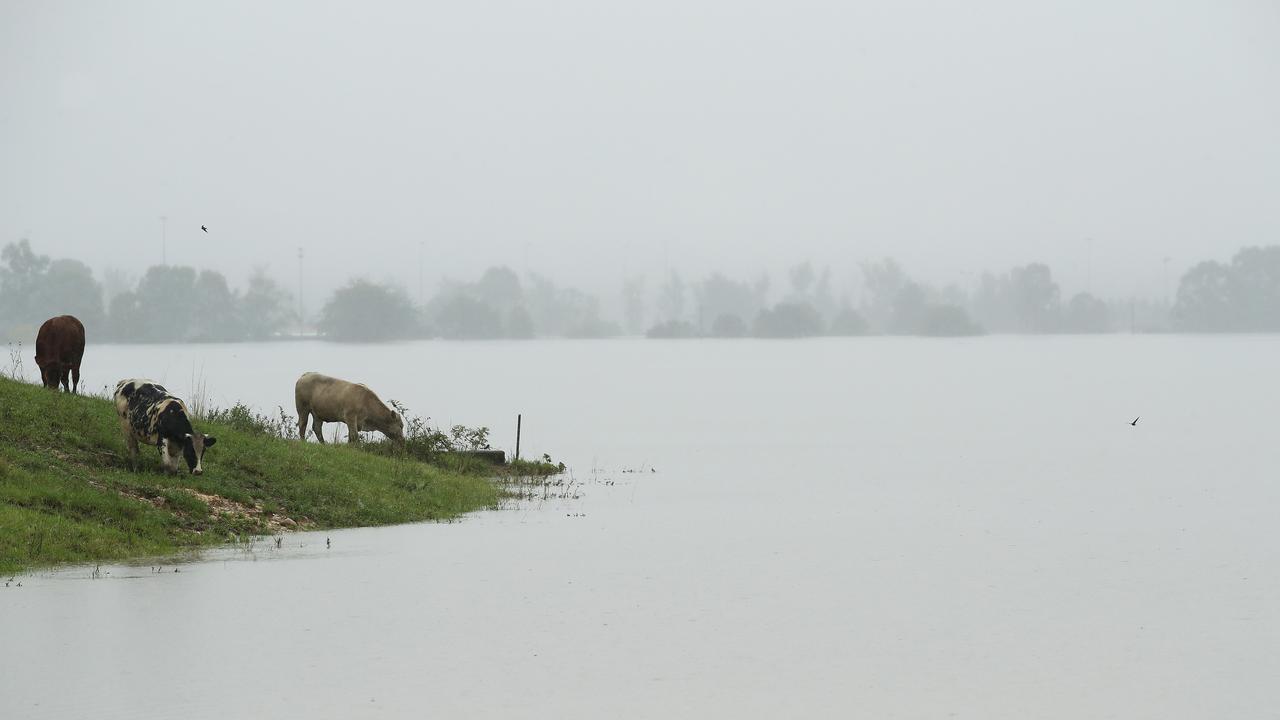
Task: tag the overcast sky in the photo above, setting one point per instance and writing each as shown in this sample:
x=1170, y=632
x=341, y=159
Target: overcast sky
x=592, y=139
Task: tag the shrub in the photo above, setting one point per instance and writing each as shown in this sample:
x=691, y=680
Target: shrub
x=728, y=325
x=672, y=329
x=788, y=320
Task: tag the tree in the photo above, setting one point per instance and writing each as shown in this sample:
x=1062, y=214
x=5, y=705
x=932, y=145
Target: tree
x=125, y=319
x=265, y=308
x=559, y=311
x=671, y=298
x=633, y=304
x=33, y=289
x=164, y=297
x=1206, y=299
x=672, y=329
x=68, y=288
x=788, y=320
x=1034, y=297
x=462, y=317
x=593, y=326
x=499, y=288
x=1255, y=281
x=719, y=296
x=367, y=311
x=847, y=323
x=884, y=282
x=728, y=325
x=1243, y=296
x=802, y=277
x=20, y=280
x=216, y=317
x=991, y=304
x=822, y=298
x=909, y=309
x=1086, y=314
x=519, y=324
x=946, y=320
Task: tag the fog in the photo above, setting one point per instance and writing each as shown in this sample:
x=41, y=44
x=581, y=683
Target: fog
x=591, y=143
x=675, y=226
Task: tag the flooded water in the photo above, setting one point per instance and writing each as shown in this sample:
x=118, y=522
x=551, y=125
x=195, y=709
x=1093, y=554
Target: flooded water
x=881, y=527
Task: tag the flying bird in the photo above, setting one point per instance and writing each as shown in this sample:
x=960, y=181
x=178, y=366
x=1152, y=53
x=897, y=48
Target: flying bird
x=204, y=228
x=1135, y=421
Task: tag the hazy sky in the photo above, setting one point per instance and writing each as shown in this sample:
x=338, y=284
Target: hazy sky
x=597, y=138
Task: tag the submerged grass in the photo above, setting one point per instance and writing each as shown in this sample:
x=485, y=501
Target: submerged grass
x=67, y=493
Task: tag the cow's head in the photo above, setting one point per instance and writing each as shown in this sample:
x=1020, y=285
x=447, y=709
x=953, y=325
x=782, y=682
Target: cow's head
x=50, y=375
x=395, y=428
x=50, y=372
x=193, y=447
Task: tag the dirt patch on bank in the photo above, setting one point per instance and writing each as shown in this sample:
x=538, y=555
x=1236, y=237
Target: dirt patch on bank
x=221, y=508
x=275, y=522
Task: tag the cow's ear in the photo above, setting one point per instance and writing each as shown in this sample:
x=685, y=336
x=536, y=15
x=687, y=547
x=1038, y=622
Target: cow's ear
x=209, y=440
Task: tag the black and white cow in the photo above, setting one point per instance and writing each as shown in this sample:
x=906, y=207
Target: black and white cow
x=149, y=414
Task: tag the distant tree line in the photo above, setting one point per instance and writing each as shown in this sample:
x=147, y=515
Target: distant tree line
x=1240, y=296
x=495, y=306
x=724, y=308
x=170, y=303
x=182, y=304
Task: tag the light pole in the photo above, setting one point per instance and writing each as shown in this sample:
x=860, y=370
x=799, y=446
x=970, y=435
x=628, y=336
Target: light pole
x=1088, y=266
x=1164, y=279
x=301, y=315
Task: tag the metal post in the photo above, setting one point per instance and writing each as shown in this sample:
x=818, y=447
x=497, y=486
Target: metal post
x=517, y=437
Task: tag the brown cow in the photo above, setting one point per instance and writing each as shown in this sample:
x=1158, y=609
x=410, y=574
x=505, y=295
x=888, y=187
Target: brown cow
x=59, y=348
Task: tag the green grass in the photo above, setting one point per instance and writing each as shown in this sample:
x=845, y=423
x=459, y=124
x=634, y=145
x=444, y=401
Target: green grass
x=67, y=493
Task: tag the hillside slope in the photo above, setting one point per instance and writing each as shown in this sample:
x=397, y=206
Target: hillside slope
x=67, y=493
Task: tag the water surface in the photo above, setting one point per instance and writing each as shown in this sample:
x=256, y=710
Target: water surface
x=881, y=527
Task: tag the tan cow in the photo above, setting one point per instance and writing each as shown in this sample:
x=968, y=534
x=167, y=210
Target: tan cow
x=328, y=399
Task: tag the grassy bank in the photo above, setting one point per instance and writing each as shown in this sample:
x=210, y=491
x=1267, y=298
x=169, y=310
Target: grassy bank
x=67, y=493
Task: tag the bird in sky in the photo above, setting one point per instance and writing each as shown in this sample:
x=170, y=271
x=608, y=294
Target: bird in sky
x=204, y=228
x=1135, y=421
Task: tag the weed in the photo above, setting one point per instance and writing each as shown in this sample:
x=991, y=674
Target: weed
x=429, y=444
x=198, y=398
x=15, y=371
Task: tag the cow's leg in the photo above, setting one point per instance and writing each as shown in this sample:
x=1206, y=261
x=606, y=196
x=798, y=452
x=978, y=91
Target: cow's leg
x=64, y=377
x=318, y=428
x=131, y=442
x=167, y=459
x=353, y=429
x=75, y=379
x=304, y=414
x=175, y=457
